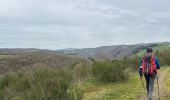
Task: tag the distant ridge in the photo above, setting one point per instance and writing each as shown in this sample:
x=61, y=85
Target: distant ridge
x=103, y=52
x=110, y=52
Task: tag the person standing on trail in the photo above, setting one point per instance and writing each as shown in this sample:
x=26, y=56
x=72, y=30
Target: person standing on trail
x=148, y=67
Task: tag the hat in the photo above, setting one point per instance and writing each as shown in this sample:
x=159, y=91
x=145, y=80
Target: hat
x=149, y=49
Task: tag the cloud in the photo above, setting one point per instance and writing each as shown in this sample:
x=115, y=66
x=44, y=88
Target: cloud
x=57, y=24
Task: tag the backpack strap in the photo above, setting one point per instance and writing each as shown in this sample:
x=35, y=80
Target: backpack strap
x=153, y=65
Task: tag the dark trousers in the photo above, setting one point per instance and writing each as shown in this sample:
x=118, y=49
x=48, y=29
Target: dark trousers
x=150, y=85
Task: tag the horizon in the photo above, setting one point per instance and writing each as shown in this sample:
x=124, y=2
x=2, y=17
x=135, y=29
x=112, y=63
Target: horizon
x=80, y=47
x=62, y=24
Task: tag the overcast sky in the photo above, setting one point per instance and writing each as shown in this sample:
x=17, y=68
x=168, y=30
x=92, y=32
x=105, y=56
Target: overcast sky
x=59, y=24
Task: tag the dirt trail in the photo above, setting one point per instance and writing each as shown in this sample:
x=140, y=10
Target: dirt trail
x=161, y=78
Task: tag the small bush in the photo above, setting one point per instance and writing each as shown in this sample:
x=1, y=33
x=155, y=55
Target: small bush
x=109, y=71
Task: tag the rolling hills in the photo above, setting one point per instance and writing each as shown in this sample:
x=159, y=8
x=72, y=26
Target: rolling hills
x=112, y=52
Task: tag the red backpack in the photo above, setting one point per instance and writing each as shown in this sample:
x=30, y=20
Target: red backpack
x=148, y=65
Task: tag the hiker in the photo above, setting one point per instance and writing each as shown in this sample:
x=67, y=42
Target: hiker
x=148, y=67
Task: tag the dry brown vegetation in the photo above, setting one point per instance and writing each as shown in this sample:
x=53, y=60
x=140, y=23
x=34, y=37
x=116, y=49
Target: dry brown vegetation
x=33, y=59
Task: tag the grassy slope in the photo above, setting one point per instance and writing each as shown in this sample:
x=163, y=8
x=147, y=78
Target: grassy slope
x=5, y=56
x=129, y=90
x=161, y=46
x=167, y=86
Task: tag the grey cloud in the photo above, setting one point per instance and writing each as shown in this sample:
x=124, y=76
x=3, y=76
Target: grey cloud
x=71, y=23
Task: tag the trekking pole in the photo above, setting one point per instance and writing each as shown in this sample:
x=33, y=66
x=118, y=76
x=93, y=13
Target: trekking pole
x=142, y=84
x=158, y=88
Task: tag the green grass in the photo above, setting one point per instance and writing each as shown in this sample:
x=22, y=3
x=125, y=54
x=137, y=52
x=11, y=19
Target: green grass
x=39, y=84
x=128, y=90
x=5, y=56
x=162, y=46
x=167, y=86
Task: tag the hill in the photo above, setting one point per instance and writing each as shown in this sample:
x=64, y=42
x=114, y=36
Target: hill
x=104, y=52
x=17, y=59
x=111, y=52
x=160, y=46
x=28, y=58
